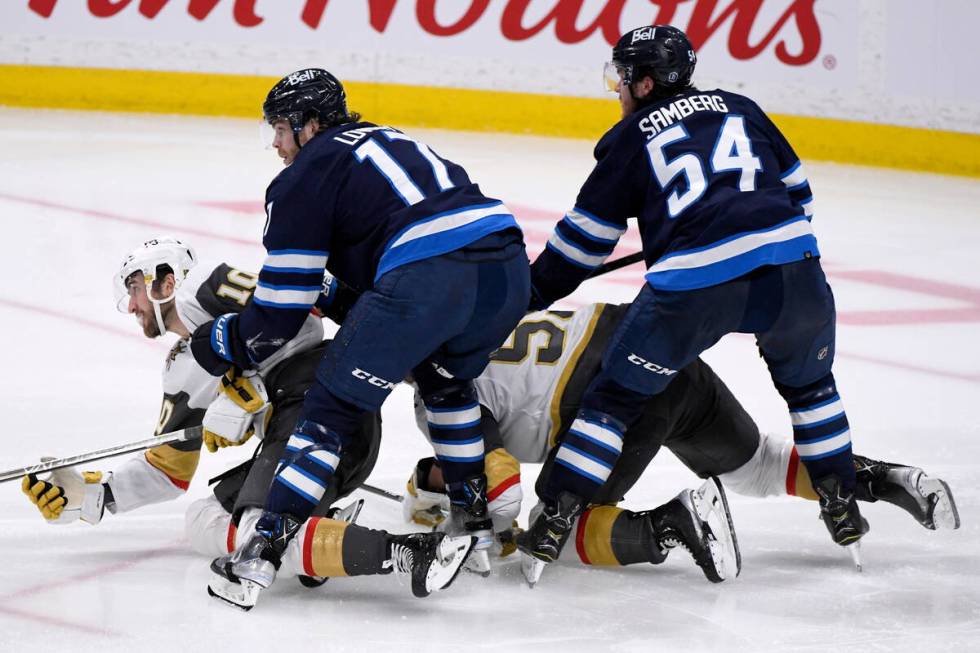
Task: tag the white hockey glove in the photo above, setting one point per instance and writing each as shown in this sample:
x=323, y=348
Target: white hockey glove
x=422, y=505
x=67, y=495
x=241, y=410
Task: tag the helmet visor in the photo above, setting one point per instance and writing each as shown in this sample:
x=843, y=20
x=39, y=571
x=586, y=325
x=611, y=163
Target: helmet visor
x=612, y=75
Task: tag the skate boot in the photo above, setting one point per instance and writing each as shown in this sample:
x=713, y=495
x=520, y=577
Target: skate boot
x=348, y=514
x=468, y=516
x=927, y=499
x=840, y=513
x=238, y=578
x=544, y=539
x=699, y=521
x=432, y=560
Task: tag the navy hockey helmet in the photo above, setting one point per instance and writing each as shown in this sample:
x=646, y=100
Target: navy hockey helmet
x=305, y=94
x=662, y=52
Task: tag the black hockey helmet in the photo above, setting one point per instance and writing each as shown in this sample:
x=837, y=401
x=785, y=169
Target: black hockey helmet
x=305, y=94
x=662, y=52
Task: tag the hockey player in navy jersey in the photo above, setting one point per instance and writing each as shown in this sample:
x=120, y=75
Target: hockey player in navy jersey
x=724, y=211
x=444, y=279
x=532, y=391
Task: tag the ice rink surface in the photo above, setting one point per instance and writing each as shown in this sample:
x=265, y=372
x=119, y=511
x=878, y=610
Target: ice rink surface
x=78, y=191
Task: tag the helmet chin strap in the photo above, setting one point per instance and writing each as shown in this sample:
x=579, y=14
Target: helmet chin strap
x=156, y=309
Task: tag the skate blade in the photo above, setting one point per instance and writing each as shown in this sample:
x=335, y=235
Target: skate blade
x=454, y=553
x=532, y=568
x=242, y=595
x=478, y=562
x=350, y=513
x=711, y=505
x=943, y=514
x=855, y=551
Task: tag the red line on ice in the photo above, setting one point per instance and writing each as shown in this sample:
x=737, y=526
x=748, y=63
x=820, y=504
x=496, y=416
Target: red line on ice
x=61, y=315
x=125, y=219
x=630, y=276
x=54, y=621
x=98, y=572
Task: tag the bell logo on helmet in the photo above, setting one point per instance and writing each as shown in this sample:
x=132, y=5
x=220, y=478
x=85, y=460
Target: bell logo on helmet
x=301, y=76
x=644, y=34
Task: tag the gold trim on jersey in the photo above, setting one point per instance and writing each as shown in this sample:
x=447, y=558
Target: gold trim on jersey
x=327, y=548
x=566, y=374
x=595, y=544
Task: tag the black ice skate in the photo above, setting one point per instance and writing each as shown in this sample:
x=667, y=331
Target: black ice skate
x=699, y=521
x=238, y=578
x=544, y=539
x=927, y=499
x=433, y=560
x=840, y=513
x=468, y=516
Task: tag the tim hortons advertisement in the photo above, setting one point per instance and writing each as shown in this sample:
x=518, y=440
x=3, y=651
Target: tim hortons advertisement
x=776, y=40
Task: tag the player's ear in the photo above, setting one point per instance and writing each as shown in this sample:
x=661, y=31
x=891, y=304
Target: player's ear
x=168, y=284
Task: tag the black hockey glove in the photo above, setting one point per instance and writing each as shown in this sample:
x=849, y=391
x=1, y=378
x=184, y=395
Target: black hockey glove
x=216, y=346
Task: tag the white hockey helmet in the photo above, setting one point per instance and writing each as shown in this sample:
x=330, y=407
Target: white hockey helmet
x=147, y=258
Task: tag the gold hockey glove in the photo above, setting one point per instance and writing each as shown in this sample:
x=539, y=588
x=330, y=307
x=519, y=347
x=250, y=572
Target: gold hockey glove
x=67, y=495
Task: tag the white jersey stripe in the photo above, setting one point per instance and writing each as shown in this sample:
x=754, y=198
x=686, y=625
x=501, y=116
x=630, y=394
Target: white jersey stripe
x=298, y=441
x=454, y=418
x=593, y=431
x=795, y=176
x=574, y=253
x=580, y=463
x=313, y=261
x=466, y=451
x=819, y=414
x=302, y=483
x=808, y=208
x=822, y=447
x=286, y=296
x=593, y=227
x=732, y=248
x=325, y=459
x=446, y=222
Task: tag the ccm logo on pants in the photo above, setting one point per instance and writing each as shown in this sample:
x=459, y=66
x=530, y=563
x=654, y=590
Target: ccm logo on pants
x=376, y=381
x=650, y=367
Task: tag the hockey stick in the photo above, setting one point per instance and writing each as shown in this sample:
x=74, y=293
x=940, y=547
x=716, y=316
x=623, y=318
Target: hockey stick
x=621, y=262
x=382, y=493
x=164, y=438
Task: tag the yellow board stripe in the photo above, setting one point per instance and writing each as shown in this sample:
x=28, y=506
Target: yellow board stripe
x=213, y=94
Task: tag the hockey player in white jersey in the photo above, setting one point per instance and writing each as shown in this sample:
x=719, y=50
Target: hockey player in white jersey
x=161, y=284
x=532, y=390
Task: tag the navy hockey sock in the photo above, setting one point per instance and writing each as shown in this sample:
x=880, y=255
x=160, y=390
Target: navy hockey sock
x=586, y=456
x=457, y=436
x=311, y=456
x=820, y=431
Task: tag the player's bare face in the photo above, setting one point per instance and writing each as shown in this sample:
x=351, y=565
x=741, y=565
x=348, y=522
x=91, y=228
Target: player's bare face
x=284, y=142
x=140, y=306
